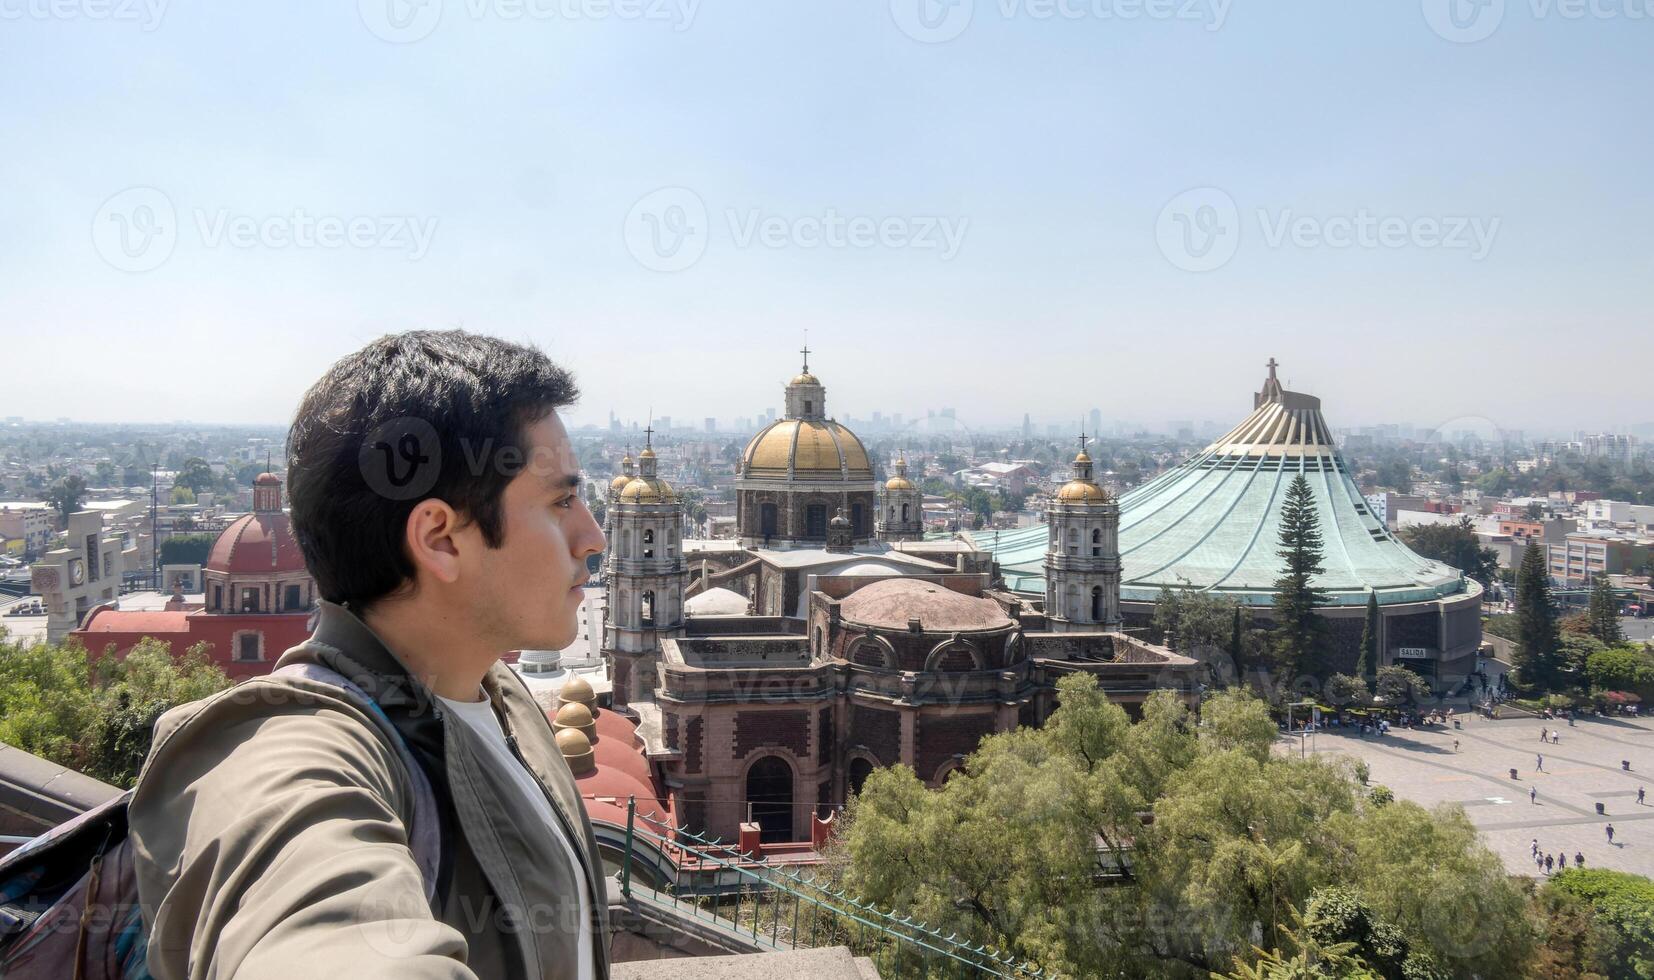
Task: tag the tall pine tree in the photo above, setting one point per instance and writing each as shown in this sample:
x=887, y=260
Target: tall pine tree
x=1537, y=642
x=1299, y=632
x=1366, y=667
x=1237, y=638
x=1603, y=613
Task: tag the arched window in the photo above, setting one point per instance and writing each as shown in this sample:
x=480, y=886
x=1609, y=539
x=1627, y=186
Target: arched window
x=860, y=769
x=1096, y=543
x=770, y=798
x=767, y=520
x=1073, y=541
x=648, y=608
x=1097, y=604
x=858, y=520
x=904, y=513
x=648, y=535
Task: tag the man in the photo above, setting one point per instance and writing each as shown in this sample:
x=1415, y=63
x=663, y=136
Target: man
x=1610, y=830
x=435, y=497
x=1639, y=796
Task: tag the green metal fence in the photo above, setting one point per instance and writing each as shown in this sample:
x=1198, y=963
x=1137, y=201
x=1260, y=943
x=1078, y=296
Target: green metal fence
x=774, y=907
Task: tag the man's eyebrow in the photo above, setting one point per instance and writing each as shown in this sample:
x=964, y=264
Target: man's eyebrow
x=557, y=484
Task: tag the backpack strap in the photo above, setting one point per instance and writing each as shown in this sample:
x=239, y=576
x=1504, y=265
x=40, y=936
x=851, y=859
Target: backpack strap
x=424, y=824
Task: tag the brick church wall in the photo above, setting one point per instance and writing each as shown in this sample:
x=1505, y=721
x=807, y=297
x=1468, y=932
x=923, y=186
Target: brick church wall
x=880, y=731
x=769, y=729
x=940, y=737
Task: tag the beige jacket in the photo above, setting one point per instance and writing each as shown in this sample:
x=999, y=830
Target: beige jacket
x=270, y=836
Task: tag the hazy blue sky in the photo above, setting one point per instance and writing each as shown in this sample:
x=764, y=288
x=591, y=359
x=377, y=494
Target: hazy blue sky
x=982, y=205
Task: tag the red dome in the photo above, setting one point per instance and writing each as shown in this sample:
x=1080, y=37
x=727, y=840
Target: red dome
x=266, y=480
x=257, y=543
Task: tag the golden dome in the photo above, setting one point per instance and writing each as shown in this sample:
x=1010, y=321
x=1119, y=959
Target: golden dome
x=648, y=453
x=805, y=379
x=898, y=483
x=813, y=449
x=578, y=691
x=577, y=751
x=642, y=491
x=619, y=483
x=577, y=717
x=1081, y=491
x=1083, y=457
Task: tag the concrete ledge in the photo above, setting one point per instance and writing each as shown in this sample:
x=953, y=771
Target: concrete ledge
x=834, y=963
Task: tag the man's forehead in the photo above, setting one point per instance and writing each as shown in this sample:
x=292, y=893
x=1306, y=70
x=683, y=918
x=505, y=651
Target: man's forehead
x=550, y=455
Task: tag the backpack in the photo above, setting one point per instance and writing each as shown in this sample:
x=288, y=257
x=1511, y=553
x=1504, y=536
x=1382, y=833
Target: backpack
x=69, y=898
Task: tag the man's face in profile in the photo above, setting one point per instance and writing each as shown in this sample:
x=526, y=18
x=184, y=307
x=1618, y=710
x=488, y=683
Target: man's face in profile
x=528, y=591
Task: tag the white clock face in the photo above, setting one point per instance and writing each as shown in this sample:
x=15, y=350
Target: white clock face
x=77, y=571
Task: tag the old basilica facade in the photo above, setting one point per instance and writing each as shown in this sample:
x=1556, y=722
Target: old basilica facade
x=770, y=674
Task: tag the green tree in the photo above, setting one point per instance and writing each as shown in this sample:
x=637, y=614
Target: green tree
x=1348, y=689
x=1624, y=905
x=1603, y=613
x=187, y=549
x=1300, y=633
x=1208, y=839
x=65, y=496
x=95, y=717
x=1367, y=662
x=1537, y=641
x=196, y=474
x=1399, y=686
x=1202, y=624
x=1456, y=545
x=106, y=473
x=1621, y=669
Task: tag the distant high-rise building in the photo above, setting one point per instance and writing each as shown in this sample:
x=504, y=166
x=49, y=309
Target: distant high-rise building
x=711, y=425
x=1027, y=427
x=1096, y=421
x=665, y=423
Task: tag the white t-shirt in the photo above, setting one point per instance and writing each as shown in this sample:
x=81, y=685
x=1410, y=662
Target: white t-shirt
x=479, y=715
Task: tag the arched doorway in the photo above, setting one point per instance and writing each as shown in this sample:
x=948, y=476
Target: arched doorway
x=770, y=794
x=767, y=520
x=1097, y=604
x=860, y=769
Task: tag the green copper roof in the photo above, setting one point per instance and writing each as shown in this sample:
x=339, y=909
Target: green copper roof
x=1213, y=522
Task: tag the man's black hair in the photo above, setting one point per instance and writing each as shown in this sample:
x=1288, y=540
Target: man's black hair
x=410, y=417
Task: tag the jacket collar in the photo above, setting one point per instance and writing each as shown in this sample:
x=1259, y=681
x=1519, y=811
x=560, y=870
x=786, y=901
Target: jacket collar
x=342, y=641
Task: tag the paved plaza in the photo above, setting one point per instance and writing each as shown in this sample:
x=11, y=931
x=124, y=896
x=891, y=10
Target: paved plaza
x=1581, y=770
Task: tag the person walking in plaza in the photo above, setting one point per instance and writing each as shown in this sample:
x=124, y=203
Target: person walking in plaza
x=1610, y=831
x=1535, y=847
x=1456, y=748
x=1533, y=795
x=1544, y=734
x=1579, y=859
x=1548, y=863
x=1639, y=796
x=1539, y=763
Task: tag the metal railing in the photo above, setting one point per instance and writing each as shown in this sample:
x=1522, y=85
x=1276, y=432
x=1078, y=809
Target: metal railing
x=778, y=908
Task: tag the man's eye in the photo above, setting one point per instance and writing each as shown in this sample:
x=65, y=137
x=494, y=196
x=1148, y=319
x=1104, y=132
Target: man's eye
x=566, y=503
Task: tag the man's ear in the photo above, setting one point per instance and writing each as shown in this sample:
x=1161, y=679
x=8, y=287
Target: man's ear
x=431, y=537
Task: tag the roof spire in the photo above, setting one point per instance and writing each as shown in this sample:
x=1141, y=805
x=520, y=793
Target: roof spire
x=1272, y=366
x=806, y=350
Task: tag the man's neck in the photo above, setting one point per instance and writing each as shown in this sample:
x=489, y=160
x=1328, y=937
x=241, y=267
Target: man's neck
x=442, y=656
